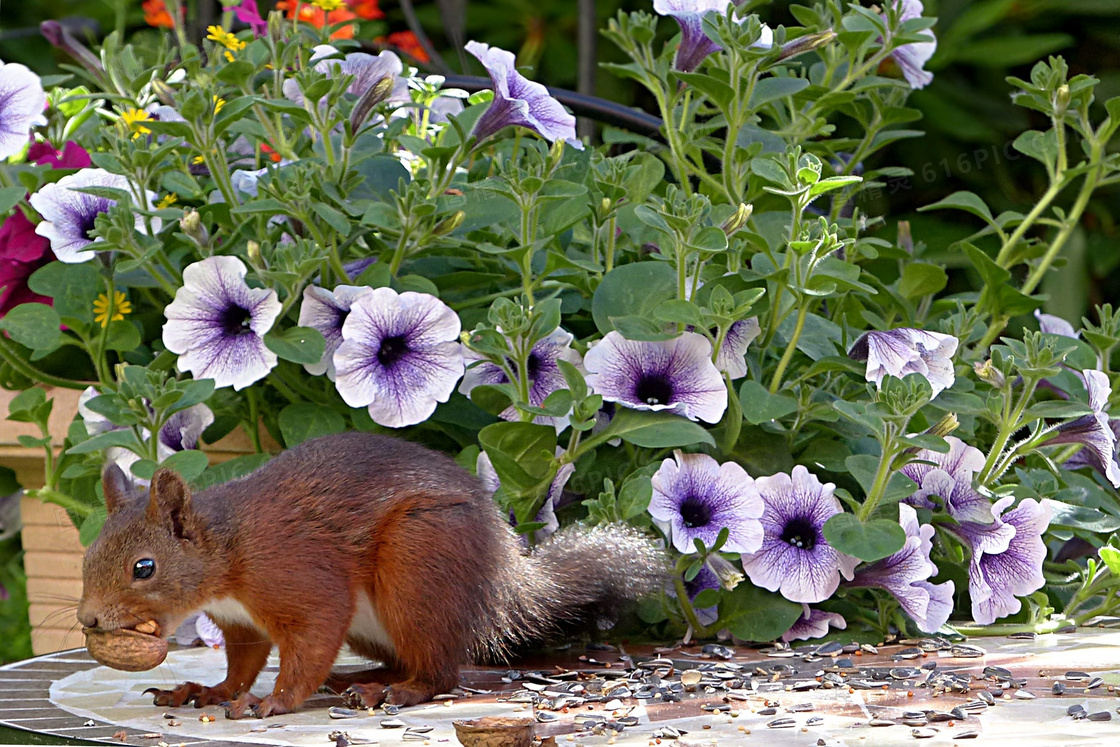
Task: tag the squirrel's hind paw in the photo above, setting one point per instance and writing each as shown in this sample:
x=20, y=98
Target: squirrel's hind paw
x=248, y=704
x=188, y=692
x=365, y=695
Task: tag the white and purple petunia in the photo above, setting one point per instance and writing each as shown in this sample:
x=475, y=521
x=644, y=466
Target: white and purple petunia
x=183, y=429
x=69, y=215
x=1093, y=431
x=906, y=574
x=949, y=477
x=519, y=101
x=399, y=356
x=366, y=70
x=695, y=44
x=694, y=497
x=732, y=356
x=903, y=351
x=544, y=374
x=911, y=58
x=795, y=559
x=675, y=375
x=703, y=581
x=22, y=100
x=1055, y=325
x=216, y=324
x=1001, y=572
x=547, y=513
x=326, y=311
x=813, y=624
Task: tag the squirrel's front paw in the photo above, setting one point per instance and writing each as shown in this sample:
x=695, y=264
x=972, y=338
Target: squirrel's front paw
x=250, y=705
x=365, y=695
x=188, y=692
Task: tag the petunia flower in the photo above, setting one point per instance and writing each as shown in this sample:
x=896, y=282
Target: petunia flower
x=732, y=356
x=695, y=44
x=366, y=69
x=22, y=100
x=949, y=477
x=1055, y=325
x=703, y=581
x=69, y=215
x=248, y=13
x=22, y=252
x=813, y=624
x=184, y=428
x=399, y=356
x=695, y=497
x=911, y=58
x=326, y=311
x=997, y=577
x=675, y=375
x=519, y=101
x=906, y=574
x=1093, y=431
x=547, y=513
x=795, y=559
x=544, y=374
x=903, y=351
x=216, y=324
x=72, y=155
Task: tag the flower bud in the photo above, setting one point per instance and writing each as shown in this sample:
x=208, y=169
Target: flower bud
x=986, y=372
x=738, y=219
x=1061, y=99
x=163, y=92
x=60, y=37
x=449, y=224
x=905, y=239
x=729, y=576
x=806, y=43
x=191, y=225
x=373, y=96
x=253, y=249
x=945, y=426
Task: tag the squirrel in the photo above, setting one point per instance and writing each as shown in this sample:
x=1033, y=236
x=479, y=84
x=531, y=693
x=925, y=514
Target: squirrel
x=355, y=538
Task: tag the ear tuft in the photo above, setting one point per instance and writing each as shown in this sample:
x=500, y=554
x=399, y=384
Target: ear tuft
x=169, y=500
x=119, y=491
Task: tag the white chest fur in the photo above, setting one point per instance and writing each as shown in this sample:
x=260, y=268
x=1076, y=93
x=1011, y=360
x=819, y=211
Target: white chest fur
x=365, y=624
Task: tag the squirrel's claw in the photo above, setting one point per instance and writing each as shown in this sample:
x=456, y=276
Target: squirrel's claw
x=178, y=696
x=244, y=705
x=365, y=695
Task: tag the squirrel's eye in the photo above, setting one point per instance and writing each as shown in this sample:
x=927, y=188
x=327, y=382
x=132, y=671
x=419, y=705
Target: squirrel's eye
x=144, y=568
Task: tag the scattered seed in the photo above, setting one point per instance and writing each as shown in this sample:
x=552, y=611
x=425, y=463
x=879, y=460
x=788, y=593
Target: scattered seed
x=923, y=733
x=1100, y=716
x=782, y=723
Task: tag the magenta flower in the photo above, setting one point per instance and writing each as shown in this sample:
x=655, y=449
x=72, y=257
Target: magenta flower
x=675, y=375
x=22, y=252
x=22, y=100
x=695, y=497
x=813, y=624
x=519, y=101
x=72, y=155
x=248, y=13
x=906, y=575
x=949, y=477
x=795, y=559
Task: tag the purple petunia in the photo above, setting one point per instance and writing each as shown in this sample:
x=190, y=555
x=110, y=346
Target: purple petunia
x=906, y=574
x=519, y=101
x=903, y=351
x=813, y=624
x=366, y=70
x=22, y=100
x=694, y=497
x=732, y=356
x=949, y=477
x=399, y=356
x=1001, y=571
x=795, y=559
x=1093, y=431
x=1055, y=325
x=326, y=310
x=69, y=215
x=216, y=324
x=547, y=513
x=703, y=581
x=695, y=44
x=675, y=375
x=911, y=58
x=544, y=374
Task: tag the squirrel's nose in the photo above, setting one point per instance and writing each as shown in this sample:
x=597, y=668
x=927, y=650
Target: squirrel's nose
x=86, y=617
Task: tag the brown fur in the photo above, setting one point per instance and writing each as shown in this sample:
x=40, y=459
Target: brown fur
x=296, y=542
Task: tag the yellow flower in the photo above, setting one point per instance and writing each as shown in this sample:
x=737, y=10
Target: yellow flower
x=198, y=160
x=121, y=306
x=218, y=104
x=225, y=38
x=134, y=119
x=168, y=200
x=328, y=5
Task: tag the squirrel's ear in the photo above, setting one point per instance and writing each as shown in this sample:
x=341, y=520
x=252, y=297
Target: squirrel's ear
x=169, y=501
x=118, y=489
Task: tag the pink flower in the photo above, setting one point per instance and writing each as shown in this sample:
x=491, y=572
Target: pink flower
x=72, y=155
x=248, y=13
x=22, y=252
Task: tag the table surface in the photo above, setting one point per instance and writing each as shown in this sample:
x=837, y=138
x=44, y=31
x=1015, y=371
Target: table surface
x=898, y=694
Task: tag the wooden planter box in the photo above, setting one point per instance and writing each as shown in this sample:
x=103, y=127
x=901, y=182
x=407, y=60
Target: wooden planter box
x=52, y=553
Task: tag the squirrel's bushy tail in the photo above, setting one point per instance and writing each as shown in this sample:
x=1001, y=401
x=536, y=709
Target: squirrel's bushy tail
x=577, y=576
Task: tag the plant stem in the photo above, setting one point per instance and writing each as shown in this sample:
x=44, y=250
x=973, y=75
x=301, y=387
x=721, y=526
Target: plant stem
x=879, y=484
x=791, y=347
x=698, y=628
x=23, y=367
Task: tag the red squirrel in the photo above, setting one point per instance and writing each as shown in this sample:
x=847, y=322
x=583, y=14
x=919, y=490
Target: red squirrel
x=355, y=538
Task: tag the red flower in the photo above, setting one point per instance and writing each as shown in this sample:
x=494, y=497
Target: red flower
x=319, y=18
x=155, y=14
x=272, y=154
x=406, y=42
x=366, y=9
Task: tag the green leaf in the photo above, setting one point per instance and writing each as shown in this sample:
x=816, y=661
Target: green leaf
x=754, y=614
x=123, y=336
x=993, y=275
x=104, y=441
x=635, y=495
x=1111, y=557
x=969, y=202
x=9, y=196
x=1083, y=518
x=297, y=344
x=760, y=406
x=91, y=526
x=772, y=89
x=869, y=542
x=632, y=290
x=335, y=219
x=657, y=430
x=304, y=420
x=521, y=453
x=190, y=463
x=1058, y=409
x=719, y=92
x=33, y=325
x=922, y=279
